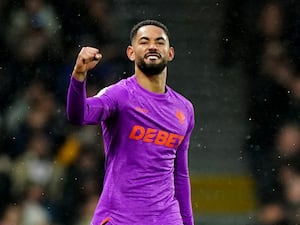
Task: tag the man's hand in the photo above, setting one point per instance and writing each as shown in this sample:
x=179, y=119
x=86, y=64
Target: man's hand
x=87, y=59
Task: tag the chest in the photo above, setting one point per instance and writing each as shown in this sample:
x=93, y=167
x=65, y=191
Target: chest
x=155, y=116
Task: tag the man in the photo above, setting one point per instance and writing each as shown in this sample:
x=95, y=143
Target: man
x=146, y=129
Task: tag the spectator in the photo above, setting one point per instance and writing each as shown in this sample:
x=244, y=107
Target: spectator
x=19, y=109
x=35, y=109
x=94, y=25
x=273, y=213
x=269, y=99
x=33, y=38
x=11, y=215
x=82, y=175
x=33, y=210
x=283, y=210
x=6, y=183
x=269, y=74
x=87, y=210
x=36, y=166
x=287, y=157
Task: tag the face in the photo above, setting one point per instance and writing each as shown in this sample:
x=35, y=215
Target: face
x=150, y=50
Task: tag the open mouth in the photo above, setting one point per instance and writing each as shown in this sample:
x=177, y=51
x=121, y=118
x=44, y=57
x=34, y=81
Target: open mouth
x=152, y=56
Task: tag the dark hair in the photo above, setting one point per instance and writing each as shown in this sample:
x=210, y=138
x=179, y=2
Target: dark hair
x=136, y=27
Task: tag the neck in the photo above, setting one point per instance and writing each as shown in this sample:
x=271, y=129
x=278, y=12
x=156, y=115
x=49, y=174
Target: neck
x=154, y=83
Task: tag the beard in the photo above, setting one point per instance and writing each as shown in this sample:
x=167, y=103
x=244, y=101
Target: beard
x=151, y=69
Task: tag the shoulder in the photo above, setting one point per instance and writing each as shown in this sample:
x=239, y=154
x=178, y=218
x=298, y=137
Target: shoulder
x=182, y=100
x=184, y=105
x=119, y=88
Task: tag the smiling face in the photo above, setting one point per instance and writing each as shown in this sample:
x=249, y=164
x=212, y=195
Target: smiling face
x=150, y=50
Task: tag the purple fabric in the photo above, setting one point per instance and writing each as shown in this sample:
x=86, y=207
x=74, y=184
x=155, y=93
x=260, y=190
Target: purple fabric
x=146, y=139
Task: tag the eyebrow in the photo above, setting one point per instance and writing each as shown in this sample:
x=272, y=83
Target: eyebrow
x=157, y=39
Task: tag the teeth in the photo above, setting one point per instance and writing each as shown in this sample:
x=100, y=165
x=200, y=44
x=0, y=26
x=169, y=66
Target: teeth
x=152, y=57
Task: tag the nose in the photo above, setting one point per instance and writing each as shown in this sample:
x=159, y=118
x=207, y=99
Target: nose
x=152, y=46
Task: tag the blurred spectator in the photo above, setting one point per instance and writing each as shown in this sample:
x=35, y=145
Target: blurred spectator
x=87, y=210
x=41, y=156
x=16, y=113
x=85, y=177
x=273, y=213
x=35, y=110
x=11, y=215
x=272, y=68
x=287, y=158
x=88, y=22
x=270, y=78
x=269, y=100
x=6, y=183
x=92, y=23
x=34, y=41
x=283, y=209
x=36, y=166
x=287, y=141
x=33, y=210
x=75, y=140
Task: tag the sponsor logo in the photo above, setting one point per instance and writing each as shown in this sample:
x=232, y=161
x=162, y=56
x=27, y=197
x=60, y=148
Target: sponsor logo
x=155, y=136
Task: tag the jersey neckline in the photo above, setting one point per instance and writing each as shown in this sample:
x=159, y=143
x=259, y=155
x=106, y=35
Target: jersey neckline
x=150, y=93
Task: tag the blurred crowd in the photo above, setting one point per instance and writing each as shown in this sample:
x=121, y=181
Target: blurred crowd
x=50, y=171
x=263, y=39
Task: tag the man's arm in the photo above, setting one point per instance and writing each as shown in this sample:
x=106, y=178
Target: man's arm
x=182, y=179
x=76, y=101
x=77, y=106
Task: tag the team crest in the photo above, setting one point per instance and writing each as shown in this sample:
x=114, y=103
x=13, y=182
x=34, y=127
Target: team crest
x=180, y=116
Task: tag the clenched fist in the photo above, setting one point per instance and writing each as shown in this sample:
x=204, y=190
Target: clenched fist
x=86, y=60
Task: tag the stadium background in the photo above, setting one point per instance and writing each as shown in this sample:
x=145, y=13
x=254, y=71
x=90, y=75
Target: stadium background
x=223, y=186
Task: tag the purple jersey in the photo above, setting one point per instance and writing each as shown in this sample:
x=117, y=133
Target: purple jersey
x=146, y=138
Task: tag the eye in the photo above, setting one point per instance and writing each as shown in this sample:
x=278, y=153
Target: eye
x=143, y=42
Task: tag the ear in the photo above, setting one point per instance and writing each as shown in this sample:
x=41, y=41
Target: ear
x=171, y=54
x=130, y=53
